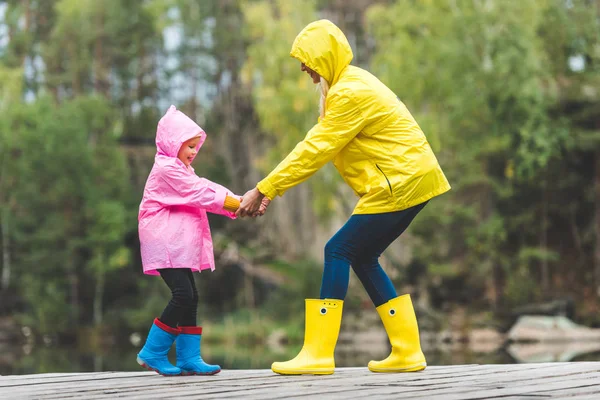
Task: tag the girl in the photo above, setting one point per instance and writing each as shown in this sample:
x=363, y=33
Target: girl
x=382, y=154
x=175, y=241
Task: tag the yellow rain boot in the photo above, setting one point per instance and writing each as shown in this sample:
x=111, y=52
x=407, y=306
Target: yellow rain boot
x=400, y=323
x=322, y=326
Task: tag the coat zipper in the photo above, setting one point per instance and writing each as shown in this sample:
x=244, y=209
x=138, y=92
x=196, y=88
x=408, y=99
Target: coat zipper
x=386, y=178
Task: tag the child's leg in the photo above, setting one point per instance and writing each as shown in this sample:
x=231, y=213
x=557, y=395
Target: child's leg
x=189, y=316
x=184, y=296
x=164, y=331
x=189, y=359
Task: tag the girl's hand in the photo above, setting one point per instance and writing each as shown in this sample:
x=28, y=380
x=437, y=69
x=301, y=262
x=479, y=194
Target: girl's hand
x=263, y=207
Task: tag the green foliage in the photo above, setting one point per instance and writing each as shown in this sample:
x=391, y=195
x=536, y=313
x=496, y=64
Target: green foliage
x=506, y=92
x=286, y=104
x=486, y=81
x=302, y=281
x=285, y=98
x=67, y=195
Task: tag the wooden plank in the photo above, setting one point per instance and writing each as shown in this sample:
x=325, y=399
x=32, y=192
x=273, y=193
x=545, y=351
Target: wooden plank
x=577, y=381
x=491, y=391
x=503, y=375
x=116, y=377
x=498, y=379
x=37, y=380
x=572, y=392
x=155, y=380
x=458, y=378
x=264, y=391
x=158, y=384
x=586, y=397
x=124, y=380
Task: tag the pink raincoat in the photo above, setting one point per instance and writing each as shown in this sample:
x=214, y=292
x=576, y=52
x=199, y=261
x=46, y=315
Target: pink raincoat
x=173, y=225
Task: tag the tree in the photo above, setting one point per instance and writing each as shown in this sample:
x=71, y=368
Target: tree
x=484, y=80
x=10, y=92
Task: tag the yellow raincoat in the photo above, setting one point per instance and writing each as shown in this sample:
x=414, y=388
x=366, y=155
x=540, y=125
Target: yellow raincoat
x=373, y=140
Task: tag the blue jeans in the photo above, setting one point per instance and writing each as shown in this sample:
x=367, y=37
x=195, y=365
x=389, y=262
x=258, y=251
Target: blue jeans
x=359, y=243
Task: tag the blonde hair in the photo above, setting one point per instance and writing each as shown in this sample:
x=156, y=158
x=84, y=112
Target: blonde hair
x=324, y=89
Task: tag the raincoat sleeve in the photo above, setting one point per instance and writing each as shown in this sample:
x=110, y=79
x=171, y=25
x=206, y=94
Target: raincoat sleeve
x=342, y=122
x=180, y=188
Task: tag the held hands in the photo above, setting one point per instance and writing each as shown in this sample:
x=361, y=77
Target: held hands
x=263, y=207
x=253, y=204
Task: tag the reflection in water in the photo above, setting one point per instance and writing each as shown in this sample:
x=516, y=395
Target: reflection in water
x=41, y=359
x=554, y=351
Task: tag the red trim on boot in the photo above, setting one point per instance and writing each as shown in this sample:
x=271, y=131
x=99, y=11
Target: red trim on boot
x=191, y=330
x=165, y=327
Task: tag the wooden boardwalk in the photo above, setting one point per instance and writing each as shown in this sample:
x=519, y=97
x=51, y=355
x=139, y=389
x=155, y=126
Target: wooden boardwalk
x=575, y=380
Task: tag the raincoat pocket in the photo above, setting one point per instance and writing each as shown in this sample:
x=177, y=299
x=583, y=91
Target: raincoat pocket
x=386, y=179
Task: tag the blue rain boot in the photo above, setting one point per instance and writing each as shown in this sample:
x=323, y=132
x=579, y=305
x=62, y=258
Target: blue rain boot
x=188, y=353
x=153, y=355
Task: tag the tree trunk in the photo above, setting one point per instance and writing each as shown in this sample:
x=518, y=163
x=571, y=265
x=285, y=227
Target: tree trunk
x=194, y=84
x=249, y=297
x=75, y=70
x=4, y=232
x=597, y=223
x=99, y=298
x=101, y=78
x=495, y=280
x=5, y=280
x=73, y=280
x=544, y=239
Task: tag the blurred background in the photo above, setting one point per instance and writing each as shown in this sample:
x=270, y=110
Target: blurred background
x=504, y=268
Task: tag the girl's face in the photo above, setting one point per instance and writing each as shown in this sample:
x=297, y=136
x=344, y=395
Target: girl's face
x=188, y=152
x=316, y=78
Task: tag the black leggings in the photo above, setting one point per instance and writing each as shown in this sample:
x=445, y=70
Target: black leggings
x=182, y=309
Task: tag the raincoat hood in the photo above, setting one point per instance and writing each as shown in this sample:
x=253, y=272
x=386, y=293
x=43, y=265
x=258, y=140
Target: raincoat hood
x=175, y=128
x=323, y=47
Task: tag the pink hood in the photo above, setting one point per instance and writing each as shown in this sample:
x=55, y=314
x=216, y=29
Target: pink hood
x=173, y=226
x=175, y=128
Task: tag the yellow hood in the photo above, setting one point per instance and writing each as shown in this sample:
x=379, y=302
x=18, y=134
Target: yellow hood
x=323, y=47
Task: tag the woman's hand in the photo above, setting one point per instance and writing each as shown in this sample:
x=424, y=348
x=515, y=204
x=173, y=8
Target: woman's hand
x=250, y=204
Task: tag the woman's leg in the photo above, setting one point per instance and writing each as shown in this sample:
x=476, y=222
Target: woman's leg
x=376, y=282
x=184, y=296
x=355, y=241
x=396, y=313
x=367, y=268
x=359, y=243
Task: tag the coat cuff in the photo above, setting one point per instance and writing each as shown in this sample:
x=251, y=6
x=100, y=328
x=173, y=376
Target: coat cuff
x=266, y=188
x=231, y=204
x=191, y=330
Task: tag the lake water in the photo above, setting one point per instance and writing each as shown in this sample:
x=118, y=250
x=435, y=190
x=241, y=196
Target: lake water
x=23, y=359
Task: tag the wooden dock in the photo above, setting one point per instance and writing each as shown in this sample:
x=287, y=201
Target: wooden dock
x=575, y=380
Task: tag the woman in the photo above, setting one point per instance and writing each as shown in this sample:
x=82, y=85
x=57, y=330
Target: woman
x=383, y=155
